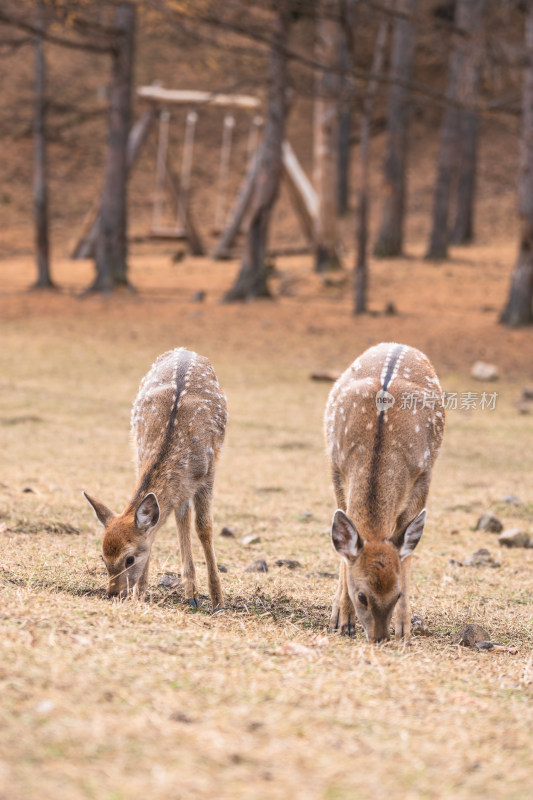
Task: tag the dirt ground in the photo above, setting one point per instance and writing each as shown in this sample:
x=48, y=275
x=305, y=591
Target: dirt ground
x=116, y=702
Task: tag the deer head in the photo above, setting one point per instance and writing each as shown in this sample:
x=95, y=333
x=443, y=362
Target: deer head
x=127, y=543
x=373, y=570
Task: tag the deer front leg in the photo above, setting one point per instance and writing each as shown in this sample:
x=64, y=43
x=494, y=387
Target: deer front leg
x=183, y=521
x=142, y=583
x=204, y=528
x=402, y=612
x=343, y=612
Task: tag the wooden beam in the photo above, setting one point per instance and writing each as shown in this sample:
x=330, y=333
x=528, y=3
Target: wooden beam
x=156, y=94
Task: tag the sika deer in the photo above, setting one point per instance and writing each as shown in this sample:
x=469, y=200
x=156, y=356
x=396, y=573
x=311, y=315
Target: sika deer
x=178, y=423
x=384, y=424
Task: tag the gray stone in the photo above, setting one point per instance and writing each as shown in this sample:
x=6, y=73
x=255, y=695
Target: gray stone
x=512, y=499
x=482, y=371
x=228, y=532
x=252, y=539
x=322, y=575
x=222, y=568
x=490, y=523
x=514, y=537
x=198, y=297
x=470, y=635
x=418, y=626
x=259, y=565
x=481, y=558
x=170, y=580
x=527, y=393
x=287, y=562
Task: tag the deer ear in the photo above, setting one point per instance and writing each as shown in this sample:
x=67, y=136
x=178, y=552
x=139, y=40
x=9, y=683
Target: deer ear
x=413, y=534
x=103, y=513
x=346, y=540
x=148, y=513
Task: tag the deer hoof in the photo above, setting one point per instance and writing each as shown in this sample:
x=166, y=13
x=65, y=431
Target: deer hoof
x=348, y=629
x=194, y=602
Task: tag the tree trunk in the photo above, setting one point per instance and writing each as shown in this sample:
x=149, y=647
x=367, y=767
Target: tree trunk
x=326, y=134
x=519, y=308
x=389, y=241
x=252, y=278
x=112, y=246
x=361, y=267
x=40, y=192
x=463, y=229
x=86, y=245
x=448, y=158
x=345, y=127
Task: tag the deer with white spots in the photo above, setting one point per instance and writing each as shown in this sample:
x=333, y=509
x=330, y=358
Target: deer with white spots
x=384, y=424
x=178, y=423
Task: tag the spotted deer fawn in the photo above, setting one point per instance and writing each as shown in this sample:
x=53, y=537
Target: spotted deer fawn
x=178, y=422
x=384, y=424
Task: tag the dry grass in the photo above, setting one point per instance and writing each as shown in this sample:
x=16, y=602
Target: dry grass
x=152, y=700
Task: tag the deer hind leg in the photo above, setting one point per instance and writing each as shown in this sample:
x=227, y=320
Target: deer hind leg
x=183, y=521
x=204, y=528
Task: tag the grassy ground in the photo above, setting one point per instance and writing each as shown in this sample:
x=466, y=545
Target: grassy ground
x=153, y=700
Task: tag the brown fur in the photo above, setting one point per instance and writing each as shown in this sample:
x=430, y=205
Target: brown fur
x=381, y=462
x=178, y=425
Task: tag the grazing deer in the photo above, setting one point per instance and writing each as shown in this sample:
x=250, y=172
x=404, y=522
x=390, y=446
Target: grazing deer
x=384, y=423
x=178, y=423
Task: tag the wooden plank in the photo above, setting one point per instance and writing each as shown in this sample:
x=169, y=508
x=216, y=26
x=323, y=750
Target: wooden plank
x=303, y=196
x=156, y=94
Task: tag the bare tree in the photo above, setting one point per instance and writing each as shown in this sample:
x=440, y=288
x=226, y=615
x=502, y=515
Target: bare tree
x=252, y=278
x=361, y=266
x=389, y=241
x=463, y=229
x=519, y=308
x=40, y=186
x=466, y=13
x=328, y=47
x=112, y=246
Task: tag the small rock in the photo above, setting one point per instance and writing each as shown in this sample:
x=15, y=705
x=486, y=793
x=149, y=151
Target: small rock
x=44, y=707
x=418, y=626
x=489, y=523
x=470, y=635
x=527, y=393
x=390, y=309
x=287, y=562
x=482, y=371
x=28, y=490
x=169, y=580
x=322, y=575
x=222, y=568
x=252, y=539
x=514, y=537
x=229, y=532
x=456, y=563
x=455, y=532
x=198, y=297
x=512, y=499
x=481, y=558
x=259, y=565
